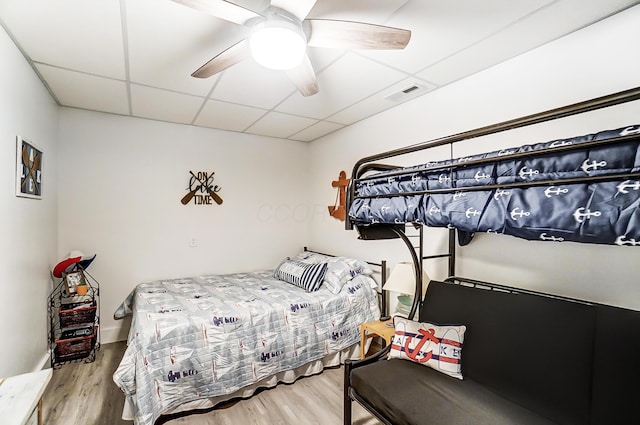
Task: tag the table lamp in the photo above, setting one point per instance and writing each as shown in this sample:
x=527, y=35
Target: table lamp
x=403, y=281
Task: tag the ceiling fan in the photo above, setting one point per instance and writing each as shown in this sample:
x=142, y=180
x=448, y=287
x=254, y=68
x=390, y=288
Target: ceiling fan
x=281, y=32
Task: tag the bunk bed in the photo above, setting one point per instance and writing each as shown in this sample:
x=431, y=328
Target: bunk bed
x=581, y=189
x=196, y=342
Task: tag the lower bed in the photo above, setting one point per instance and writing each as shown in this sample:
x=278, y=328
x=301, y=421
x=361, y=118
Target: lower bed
x=195, y=342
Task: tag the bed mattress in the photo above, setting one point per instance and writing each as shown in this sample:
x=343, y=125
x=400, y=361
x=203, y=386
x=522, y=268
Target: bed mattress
x=208, y=336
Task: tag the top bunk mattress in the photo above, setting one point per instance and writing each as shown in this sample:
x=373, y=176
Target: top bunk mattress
x=536, y=194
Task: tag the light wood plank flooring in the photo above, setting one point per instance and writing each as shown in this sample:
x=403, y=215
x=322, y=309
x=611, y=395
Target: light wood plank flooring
x=84, y=394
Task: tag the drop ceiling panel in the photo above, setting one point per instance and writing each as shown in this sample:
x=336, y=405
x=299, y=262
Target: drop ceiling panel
x=377, y=103
x=321, y=128
x=83, y=35
x=253, y=85
x=149, y=102
x=508, y=43
x=85, y=91
x=165, y=50
x=146, y=51
x=228, y=116
x=276, y=124
x=440, y=29
x=347, y=81
x=373, y=11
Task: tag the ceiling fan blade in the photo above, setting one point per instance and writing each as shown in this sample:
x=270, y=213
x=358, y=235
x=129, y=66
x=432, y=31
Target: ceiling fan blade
x=221, y=9
x=355, y=35
x=224, y=60
x=304, y=78
x=299, y=8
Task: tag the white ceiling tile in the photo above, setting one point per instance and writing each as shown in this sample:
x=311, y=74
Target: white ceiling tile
x=439, y=29
x=83, y=35
x=276, y=124
x=377, y=103
x=321, y=128
x=370, y=11
x=166, y=50
x=157, y=104
x=522, y=35
x=228, y=116
x=86, y=91
x=345, y=82
x=252, y=84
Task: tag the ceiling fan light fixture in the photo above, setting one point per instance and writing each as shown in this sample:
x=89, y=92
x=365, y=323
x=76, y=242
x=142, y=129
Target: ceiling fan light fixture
x=278, y=44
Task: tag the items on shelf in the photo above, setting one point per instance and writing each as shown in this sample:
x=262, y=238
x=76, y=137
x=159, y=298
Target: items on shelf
x=74, y=311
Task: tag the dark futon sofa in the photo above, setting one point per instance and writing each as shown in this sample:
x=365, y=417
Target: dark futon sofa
x=527, y=358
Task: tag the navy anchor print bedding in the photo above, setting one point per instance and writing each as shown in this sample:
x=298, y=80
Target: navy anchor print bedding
x=603, y=210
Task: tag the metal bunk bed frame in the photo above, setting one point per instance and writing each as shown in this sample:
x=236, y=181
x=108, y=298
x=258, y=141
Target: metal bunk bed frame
x=392, y=231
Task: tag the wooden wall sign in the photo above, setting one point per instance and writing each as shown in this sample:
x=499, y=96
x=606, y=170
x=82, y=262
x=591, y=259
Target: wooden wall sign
x=202, y=190
x=338, y=210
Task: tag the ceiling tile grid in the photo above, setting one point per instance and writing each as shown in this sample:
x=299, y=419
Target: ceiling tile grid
x=135, y=57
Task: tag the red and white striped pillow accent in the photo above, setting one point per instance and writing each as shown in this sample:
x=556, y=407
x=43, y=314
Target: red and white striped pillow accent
x=438, y=347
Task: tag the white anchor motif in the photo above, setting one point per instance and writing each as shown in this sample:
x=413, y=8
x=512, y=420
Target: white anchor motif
x=415, y=179
x=544, y=237
x=491, y=231
x=630, y=130
x=366, y=207
x=398, y=221
x=553, y=190
x=622, y=187
x=434, y=210
x=410, y=205
x=481, y=176
x=443, y=178
x=622, y=240
x=384, y=208
x=593, y=166
x=524, y=173
x=471, y=212
x=559, y=143
x=369, y=183
x=582, y=214
x=500, y=193
x=459, y=195
x=517, y=212
x=391, y=180
x=505, y=152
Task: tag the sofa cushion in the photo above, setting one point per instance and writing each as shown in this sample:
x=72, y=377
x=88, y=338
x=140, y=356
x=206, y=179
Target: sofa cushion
x=433, y=397
x=437, y=347
x=533, y=350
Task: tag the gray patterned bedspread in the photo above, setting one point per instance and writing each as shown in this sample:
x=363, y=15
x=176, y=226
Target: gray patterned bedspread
x=212, y=335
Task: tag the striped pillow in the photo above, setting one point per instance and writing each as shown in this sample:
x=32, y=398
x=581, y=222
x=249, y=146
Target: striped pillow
x=306, y=276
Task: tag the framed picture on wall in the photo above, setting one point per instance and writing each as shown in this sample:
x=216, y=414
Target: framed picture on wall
x=28, y=169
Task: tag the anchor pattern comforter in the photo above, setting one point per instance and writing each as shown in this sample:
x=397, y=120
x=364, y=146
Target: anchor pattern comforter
x=603, y=212
x=212, y=335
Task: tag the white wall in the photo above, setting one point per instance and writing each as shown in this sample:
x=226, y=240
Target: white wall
x=595, y=61
x=121, y=181
x=27, y=226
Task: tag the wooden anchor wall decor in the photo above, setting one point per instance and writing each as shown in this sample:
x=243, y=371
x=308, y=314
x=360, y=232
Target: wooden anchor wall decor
x=202, y=190
x=338, y=210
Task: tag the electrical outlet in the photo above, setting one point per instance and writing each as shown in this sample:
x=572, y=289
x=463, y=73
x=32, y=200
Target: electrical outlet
x=193, y=242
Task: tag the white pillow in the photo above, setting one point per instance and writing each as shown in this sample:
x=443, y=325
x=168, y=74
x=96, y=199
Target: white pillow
x=438, y=347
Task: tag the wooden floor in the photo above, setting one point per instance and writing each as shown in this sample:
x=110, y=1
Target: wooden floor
x=84, y=394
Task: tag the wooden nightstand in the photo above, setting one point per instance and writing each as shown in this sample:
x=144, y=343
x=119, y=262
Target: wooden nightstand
x=384, y=330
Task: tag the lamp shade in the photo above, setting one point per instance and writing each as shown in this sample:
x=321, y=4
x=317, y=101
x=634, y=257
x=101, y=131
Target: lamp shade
x=403, y=279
